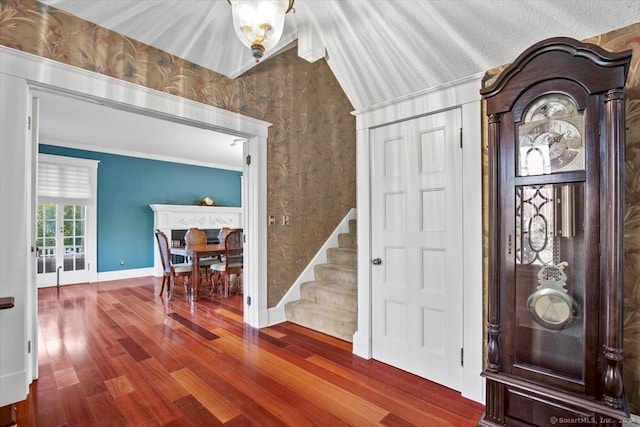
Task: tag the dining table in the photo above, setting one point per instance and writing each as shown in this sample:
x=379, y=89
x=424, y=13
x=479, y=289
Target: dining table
x=195, y=253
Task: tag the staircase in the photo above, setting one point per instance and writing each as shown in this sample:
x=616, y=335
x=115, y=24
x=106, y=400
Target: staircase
x=328, y=303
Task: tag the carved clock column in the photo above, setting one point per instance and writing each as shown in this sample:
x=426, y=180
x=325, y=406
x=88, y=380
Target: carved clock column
x=612, y=249
x=493, y=405
x=556, y=163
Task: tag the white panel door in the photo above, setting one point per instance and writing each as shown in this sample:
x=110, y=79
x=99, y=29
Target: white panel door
x=416, y=241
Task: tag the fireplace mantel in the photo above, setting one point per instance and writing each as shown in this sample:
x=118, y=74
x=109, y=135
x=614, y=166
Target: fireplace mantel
x=182, y=217
x=175, y=217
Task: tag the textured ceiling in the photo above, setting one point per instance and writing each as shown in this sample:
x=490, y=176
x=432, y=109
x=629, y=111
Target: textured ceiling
x=379, y=50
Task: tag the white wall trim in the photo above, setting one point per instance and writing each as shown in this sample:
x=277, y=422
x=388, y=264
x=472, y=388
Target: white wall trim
x=131, y=273
x=276, y=314
x=462, y=94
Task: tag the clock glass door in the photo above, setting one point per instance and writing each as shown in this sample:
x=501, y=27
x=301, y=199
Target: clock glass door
x=549, y=272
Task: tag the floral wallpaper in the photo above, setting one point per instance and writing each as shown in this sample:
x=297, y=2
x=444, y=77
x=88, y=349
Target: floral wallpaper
x=627, y=38
x=311, y=163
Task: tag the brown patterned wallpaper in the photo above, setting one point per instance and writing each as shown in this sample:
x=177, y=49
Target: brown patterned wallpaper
x=311, y=164
x=627, y=38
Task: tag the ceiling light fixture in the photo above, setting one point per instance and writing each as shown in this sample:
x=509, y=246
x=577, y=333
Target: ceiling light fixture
x=259, y=23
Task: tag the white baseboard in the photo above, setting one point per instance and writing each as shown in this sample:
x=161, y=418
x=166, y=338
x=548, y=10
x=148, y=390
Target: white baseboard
x=276, y=314
x=105, y=276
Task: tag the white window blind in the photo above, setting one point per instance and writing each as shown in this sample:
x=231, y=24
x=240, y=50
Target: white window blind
x=64, y=182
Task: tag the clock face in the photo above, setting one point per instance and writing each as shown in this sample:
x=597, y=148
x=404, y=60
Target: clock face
x=550, y=138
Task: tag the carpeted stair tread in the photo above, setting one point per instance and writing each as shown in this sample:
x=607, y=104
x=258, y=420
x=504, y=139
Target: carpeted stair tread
x=344, y=256
x=347, y=240
x=329, y=320
x=336, y=273
x=335, y=295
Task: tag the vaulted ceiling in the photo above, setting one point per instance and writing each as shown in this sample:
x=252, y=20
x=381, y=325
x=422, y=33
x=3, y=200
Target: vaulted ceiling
x=378, y=49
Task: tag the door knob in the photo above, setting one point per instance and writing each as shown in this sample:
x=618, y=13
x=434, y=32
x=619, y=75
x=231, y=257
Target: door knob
x=376, y=261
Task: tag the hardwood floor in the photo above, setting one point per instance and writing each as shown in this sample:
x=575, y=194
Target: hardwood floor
x=116, y=354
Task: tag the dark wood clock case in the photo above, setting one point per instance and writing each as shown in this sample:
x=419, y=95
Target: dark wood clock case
x=554, y=356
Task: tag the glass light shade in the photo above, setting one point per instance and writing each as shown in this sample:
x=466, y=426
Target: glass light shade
x=259, y=23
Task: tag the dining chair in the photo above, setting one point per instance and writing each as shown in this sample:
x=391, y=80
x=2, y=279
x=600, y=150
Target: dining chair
x=170, y=270
x=222, y=234
x=232, y=263
x=215, y=275
x=194, y=237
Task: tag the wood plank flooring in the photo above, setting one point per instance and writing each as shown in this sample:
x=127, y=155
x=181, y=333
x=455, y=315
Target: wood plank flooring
x=116, y=354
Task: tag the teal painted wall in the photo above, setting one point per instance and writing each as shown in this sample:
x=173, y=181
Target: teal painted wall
x=126, y=188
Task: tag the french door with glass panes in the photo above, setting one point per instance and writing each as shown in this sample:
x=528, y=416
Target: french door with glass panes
x=61, y=244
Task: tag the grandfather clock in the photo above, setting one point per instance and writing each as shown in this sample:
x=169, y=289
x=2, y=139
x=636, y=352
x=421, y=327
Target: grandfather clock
x=556, y=160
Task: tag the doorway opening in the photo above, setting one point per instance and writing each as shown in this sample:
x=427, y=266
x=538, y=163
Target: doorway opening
x=128, y=143
x=23, y=75
x=144, y=103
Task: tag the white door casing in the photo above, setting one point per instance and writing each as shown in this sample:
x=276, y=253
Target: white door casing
x=416, y=222
x=32, y=292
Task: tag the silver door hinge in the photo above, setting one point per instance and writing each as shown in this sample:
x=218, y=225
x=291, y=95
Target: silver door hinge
x=462, y=357
x=29, y=347
x=248, y=300
x=460, y=137
x=249, y=159
x=28, y=123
